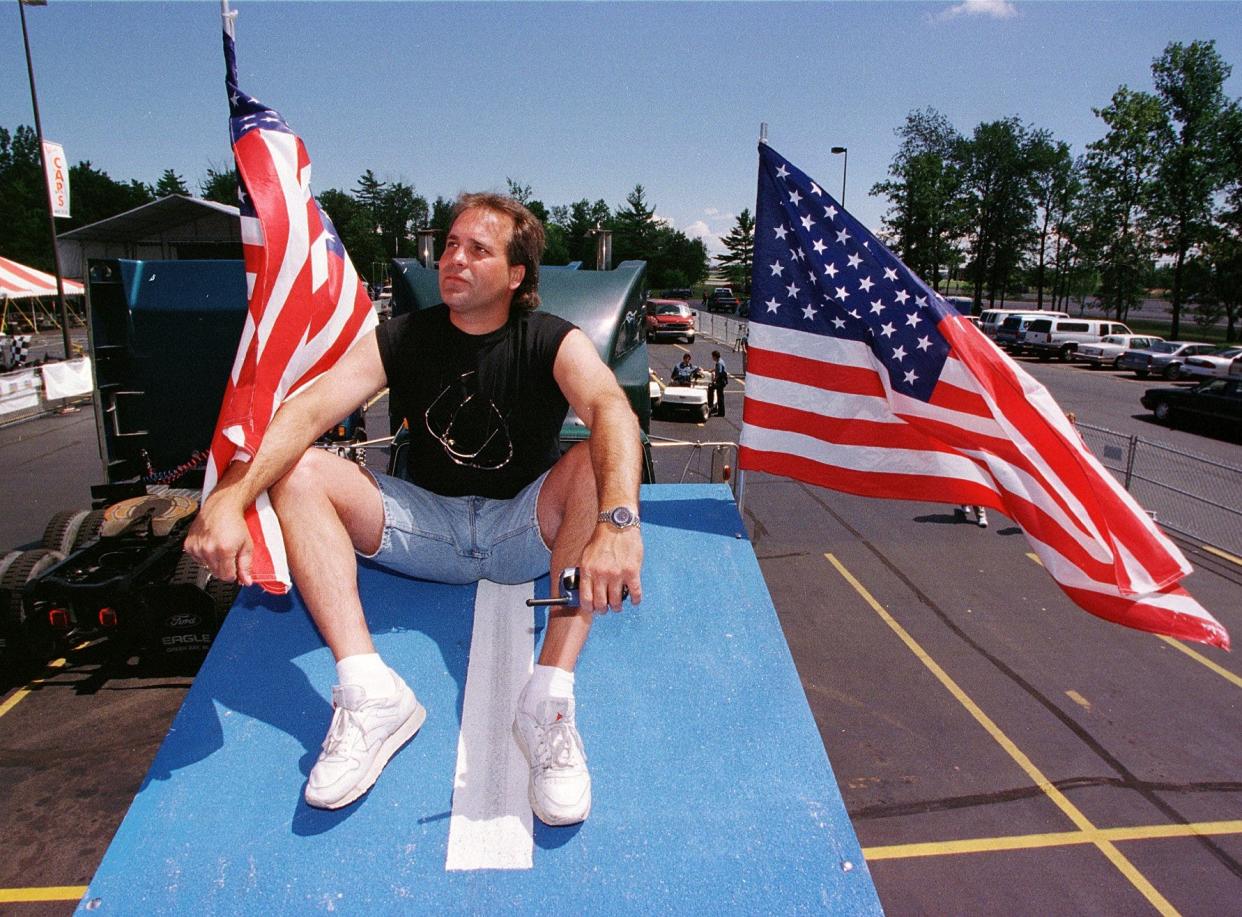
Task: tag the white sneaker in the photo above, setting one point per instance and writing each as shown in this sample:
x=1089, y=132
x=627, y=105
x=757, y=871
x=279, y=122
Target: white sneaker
x=981, y=517
x=364, y=734
x=560, y=784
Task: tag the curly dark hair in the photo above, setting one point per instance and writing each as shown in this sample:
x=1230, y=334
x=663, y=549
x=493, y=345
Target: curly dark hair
x=525, y=246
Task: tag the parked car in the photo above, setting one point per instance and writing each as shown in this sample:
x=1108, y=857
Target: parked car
x=669, y=318
x=1163, y=357
x=1216, y=401
x=1061, y=337
x=1212, y=365
x=722, y=300
x=680, y=293
x=1110, y=348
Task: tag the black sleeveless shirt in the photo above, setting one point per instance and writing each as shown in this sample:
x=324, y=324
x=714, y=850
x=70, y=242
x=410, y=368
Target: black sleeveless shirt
x=484, y=411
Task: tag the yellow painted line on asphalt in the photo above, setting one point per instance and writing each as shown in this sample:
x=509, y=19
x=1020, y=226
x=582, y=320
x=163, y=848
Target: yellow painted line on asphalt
x=46, y=893
x=1071, y=811
x=21, y=693
x=1224, y=555
x=1203, y=660
x=1178, y=645
x=1078, y=699
x=1054, y=839
x=1034, y=557
x=378, y=395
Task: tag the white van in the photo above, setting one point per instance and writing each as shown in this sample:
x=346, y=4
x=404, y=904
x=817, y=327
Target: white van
x=1010, y=332
x=1060, y=337
x=990, y=319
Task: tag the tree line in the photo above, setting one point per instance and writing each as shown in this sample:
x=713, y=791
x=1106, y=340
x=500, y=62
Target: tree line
x=377, y=220
x=1154, y=203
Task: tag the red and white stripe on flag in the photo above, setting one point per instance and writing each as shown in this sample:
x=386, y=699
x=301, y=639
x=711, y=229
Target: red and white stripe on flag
x=307, y=308
x=821, y=410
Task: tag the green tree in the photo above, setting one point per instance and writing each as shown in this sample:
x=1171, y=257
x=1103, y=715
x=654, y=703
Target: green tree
x=924, y=219
x=576, y=223
x=1055, y=185
x=170, y=183
x=739, y=255
x=996, y=176
x=1120, y=173
x=1192, y=170
x=634, y=230
x=219, y=184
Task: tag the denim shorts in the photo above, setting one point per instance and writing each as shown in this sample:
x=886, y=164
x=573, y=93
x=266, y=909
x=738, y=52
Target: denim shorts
x=460, y=539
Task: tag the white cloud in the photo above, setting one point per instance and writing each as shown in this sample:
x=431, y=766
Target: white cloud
x=993, y=9
x=700, y=230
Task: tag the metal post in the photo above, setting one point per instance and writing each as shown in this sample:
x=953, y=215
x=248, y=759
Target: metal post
x=1130, y=461
x=51, y=220
x=427, y=246
x=603, y=248
x=844, y=170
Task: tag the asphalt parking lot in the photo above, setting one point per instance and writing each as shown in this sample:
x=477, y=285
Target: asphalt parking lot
x=999, y=751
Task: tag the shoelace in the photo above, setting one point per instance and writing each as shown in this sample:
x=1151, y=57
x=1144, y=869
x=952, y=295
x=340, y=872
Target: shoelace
x=342, y=719
x=559, y=747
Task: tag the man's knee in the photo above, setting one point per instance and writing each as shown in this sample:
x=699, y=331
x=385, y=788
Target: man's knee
x=306, y=478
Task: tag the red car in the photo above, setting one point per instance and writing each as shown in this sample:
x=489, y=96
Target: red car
x=669, y=318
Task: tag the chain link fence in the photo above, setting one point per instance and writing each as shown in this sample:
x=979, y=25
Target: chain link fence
x=1193, y=495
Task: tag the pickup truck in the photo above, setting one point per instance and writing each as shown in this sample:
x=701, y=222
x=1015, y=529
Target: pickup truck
x=722, y=299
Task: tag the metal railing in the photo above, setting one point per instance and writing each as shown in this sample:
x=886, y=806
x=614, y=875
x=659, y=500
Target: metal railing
x=713, y=462
x=1193, y=495
x=728, y=330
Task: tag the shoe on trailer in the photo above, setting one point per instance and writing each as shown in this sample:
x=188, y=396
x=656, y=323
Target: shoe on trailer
x=560, y=784
x=363, y=735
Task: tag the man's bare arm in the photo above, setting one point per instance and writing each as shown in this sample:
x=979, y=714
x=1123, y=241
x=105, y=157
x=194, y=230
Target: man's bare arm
x=218, y=536
x=612, y=557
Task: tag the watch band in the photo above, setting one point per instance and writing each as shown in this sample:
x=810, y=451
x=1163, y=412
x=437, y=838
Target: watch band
x=620, y=517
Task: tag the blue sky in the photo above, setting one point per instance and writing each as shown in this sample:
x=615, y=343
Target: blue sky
x=583, y=99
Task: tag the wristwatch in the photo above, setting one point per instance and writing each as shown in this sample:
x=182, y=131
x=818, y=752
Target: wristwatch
x=621, y=517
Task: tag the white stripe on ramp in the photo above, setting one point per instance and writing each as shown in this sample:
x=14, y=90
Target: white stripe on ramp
x=491, y=825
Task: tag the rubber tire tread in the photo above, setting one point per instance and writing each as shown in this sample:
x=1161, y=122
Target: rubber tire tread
x=62, y=530
x=88, y=531
x=25, y=568
x=189, y=572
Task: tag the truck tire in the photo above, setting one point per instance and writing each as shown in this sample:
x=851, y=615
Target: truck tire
x=222, y=595
x=189, y=572
x=1065, y=353
x=22, y=640
x=88, y=531
x=62, y=530
x=1172, y=371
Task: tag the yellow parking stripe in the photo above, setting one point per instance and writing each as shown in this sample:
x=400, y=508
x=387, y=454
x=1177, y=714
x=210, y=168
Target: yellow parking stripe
x=47, y=893
x=1054, y=839
x=1202, y=660
x=1177, y=644
x=21, y=693
x=1071, y=811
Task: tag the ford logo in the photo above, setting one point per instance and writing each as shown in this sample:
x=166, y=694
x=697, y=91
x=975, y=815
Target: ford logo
x=183, y=620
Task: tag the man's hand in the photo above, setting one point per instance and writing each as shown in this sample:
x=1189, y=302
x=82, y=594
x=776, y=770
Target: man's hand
x=220, y=540
x=611, y=559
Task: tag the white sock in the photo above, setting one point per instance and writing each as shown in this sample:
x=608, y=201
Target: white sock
x=367, y=670
x=546, y=682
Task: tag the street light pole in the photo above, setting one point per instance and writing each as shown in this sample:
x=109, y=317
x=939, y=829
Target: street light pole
x=51, y=220
x=844, y=169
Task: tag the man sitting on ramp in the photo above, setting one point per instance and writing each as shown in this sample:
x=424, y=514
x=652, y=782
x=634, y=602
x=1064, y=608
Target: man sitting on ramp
x=483, y=381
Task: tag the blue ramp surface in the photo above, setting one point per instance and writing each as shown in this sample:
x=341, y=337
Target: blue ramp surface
x=712, y=791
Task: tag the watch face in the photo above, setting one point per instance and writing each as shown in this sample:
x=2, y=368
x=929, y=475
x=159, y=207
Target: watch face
x=621, y=516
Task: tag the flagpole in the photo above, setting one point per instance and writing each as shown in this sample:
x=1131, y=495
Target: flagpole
x=51, y=219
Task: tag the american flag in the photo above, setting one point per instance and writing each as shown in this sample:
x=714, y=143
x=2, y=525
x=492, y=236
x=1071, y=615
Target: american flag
x=861, y=378
x=307, y=306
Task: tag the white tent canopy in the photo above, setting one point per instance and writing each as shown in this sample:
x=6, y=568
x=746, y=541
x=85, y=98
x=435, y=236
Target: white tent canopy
x=17, y=281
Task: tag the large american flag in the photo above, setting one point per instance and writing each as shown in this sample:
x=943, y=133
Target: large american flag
x=307, y=306
x=862, y=379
